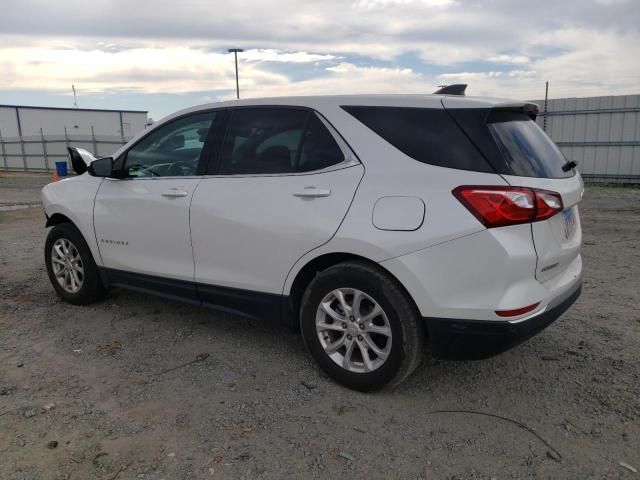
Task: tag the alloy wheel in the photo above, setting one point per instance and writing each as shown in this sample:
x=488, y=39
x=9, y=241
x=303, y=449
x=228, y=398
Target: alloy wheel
x=354, y=330
x=67, y=265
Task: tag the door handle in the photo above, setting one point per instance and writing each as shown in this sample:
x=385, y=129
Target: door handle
x=174, y=193
x=312, y=192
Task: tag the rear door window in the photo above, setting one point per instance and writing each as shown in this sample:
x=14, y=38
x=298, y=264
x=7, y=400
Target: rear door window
x=318, y=148
x=428, y=135
x=526, y=150
x=276, y=141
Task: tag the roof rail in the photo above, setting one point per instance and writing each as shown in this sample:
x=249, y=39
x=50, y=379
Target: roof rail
x=455, y=89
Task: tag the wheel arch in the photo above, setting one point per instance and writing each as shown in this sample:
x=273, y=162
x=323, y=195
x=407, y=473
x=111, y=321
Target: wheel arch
x=61, y=215
x=305, y=275
x=57, y=219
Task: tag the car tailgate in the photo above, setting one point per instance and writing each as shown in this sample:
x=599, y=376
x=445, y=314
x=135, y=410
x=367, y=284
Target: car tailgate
x=558, y=239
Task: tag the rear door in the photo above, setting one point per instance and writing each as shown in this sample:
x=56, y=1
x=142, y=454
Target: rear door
x=525, y=156
x=280, y=187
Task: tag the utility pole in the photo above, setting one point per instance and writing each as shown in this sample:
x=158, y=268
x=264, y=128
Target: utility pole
x=546, y=101
x=75, y=100
x=235, y=52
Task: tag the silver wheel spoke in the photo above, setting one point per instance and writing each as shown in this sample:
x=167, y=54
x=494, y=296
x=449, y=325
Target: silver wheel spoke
x=357, y=300
x=374, y=348
x=368, y=364
x=329, y=326
x=77, y=268
x=346, y=362
x=372, y=314
x=59, y=251
x=335, y=346
x=76, y=279
x=57, y=260
x=386, y=331
x=343, y=301
x=326, y=307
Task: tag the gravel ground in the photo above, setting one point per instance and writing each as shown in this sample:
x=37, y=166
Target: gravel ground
x=124, y=389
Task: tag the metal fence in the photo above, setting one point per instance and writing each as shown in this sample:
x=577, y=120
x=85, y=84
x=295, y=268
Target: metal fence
x=39, y=153
x=602, y=134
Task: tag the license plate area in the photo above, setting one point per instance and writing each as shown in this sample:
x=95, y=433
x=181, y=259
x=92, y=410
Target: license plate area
x=569, y=223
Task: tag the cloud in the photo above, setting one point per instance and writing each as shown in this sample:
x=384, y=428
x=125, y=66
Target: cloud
x=347, y=78
x=383, y=4
x=509, y=59
x=483, y=75
x=611, y=2
x=273, y=55
x=501, y=47
x=144, y=69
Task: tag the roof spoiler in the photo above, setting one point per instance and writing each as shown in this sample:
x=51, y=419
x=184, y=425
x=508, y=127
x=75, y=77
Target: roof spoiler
x=455, y=89
x=530, y=109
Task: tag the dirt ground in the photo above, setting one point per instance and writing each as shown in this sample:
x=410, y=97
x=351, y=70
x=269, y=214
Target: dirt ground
x=121, y=389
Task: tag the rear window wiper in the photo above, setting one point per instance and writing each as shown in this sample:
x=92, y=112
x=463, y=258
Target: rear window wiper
x=570, y=165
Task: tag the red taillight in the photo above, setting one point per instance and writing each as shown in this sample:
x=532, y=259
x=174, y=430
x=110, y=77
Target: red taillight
x=500, y=206
x=517, y=311
x=547, y=203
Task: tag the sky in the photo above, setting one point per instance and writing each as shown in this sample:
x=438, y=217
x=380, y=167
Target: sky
x=163, y=55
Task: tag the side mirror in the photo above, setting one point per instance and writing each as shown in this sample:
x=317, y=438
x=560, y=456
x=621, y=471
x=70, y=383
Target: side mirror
x=102, y=167
x=80, y=159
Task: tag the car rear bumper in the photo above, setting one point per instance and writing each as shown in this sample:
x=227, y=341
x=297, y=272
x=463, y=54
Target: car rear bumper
x=454, y=339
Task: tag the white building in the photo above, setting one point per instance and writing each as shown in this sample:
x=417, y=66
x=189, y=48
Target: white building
x=34, y=138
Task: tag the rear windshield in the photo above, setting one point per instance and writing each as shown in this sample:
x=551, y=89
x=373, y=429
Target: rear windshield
x=526, y=150
x=427, y=135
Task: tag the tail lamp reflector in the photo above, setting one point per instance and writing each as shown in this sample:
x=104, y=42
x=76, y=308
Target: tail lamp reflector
x=517, y=311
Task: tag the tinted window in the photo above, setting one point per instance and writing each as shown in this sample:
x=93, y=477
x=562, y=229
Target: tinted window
x=318, y=149
x=171, y=150
x=270, y=140
x=425, y=134
x=525, y=148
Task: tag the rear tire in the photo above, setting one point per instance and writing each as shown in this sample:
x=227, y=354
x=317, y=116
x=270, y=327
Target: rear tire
x=358, y=311
x=70, y=265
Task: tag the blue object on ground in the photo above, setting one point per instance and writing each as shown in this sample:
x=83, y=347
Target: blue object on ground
x=61, y=169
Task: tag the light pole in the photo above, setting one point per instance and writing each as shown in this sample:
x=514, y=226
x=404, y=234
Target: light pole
x=235, y=54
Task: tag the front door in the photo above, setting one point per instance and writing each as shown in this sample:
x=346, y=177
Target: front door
x=142, y=218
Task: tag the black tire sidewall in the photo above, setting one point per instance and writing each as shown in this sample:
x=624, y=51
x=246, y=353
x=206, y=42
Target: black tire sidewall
x=92, y=286
x=378, y=289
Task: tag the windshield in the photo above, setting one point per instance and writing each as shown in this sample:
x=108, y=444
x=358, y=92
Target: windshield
x=525, y=148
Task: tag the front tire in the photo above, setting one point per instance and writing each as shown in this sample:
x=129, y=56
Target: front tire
x=361, y=327
x=70, y=265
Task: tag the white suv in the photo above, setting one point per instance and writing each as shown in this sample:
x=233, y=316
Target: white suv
x=375, y=223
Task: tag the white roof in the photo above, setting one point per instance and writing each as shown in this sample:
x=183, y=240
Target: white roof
x=388, y=100
x=428, y=100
